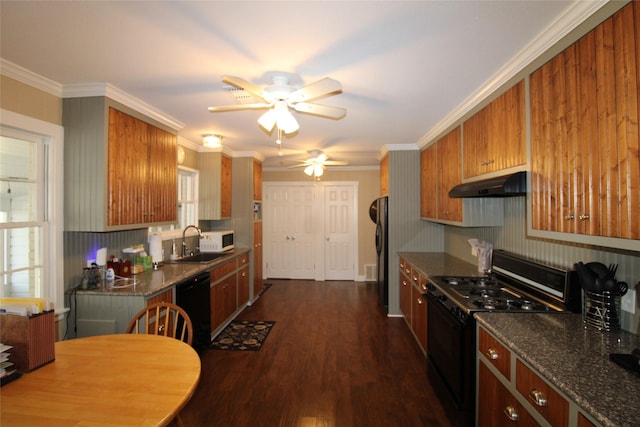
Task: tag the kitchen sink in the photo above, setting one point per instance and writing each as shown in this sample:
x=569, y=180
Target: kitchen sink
x=199, y=258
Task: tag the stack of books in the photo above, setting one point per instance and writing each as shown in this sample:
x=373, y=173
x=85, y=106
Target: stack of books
x=8, y=372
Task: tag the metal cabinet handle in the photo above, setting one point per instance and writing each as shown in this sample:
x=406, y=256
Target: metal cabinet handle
x=538, y=397
x=583, y=217
x=404, y=283
x=569, y=217
x=486, y=162
x=419, y=301
x=407, y=270
x=415, y=279
x=511, y=413
x=492, y=353
x=445, y=212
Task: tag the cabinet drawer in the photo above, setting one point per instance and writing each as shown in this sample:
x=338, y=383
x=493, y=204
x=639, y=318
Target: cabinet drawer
x=243, y=260
x=495, y=353
x=553, y=407
x=223, y=270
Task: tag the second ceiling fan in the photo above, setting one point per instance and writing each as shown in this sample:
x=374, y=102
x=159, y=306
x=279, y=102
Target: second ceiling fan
x=280, y=96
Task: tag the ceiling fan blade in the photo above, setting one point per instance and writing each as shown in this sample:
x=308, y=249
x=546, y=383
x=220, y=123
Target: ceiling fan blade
x=335, y=163
x=246, y=85
x=320, y=110
x=315, y=90
x=239, y=107
x=301, y=165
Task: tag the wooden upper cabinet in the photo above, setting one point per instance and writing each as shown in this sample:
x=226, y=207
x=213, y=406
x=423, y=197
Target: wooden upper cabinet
x=120, y=169
x=494, y=137
x=440, y=170
x=215, y=186
x=584, y=133
x=428, y=182
x=449, y=175
x=257, y=180
x=142, y=172
x=384, y=176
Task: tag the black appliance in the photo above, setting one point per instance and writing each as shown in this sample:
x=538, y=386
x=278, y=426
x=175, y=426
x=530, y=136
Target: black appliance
x=514, y=284
x=192, y=295
x=378, y=212
x=511, y=185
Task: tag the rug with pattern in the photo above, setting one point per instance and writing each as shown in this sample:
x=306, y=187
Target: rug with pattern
x=244, y=335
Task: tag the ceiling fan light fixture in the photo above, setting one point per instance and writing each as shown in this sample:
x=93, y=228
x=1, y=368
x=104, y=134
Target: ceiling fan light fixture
x=287, y=122
x=318, y=170
x=268, y=120
x=309, y=170
x=212, y=141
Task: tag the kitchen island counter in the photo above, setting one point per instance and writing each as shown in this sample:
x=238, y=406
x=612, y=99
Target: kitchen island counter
x=575, y=360
x=154, y=281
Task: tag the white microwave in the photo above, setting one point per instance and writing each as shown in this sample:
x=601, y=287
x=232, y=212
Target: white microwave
x=216, y=241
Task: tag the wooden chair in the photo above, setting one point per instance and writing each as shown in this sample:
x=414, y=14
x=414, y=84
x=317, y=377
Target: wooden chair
x=163, y=318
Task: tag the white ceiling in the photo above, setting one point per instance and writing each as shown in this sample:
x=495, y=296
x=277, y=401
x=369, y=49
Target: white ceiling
x=406, y=67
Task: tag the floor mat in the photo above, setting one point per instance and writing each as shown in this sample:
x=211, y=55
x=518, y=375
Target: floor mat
x=243, y=335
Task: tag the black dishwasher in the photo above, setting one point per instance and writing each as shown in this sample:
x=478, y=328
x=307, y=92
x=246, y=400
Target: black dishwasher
x=193, y=296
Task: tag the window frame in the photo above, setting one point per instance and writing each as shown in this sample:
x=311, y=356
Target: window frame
x=19, y=126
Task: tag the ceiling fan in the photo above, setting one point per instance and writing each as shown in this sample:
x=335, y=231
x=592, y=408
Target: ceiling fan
x=280, y=96
x=317, y=163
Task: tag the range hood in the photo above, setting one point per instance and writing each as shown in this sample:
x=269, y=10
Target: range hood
x=503, y=186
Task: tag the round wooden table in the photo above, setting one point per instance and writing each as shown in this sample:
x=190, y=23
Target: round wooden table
x=114, y=380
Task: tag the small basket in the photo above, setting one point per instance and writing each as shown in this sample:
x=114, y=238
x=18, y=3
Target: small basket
x=601, y=311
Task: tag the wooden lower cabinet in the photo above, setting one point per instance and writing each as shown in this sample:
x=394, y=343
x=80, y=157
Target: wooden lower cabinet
x=510, y=392
x=496, y=405
x=257, y=258
x=229, y=291
x=413, y=284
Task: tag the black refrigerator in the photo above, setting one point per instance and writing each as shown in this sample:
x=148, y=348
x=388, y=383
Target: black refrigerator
x=379, y=214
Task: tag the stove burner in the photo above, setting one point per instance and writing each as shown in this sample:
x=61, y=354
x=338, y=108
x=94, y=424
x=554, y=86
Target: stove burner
x=492, y=303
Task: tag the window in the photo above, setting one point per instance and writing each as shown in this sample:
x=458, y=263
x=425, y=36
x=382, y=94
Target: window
x=30, y=208
x=187, y=204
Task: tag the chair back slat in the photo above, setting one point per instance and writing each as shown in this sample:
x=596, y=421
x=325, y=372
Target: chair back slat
x=163, y=318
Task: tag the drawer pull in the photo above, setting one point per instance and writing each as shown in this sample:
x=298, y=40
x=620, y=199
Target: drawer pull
x=511, y=413
x=569, y=217
x=419, y=301
x=492, y=353
x=538, y=397
x=583, y=217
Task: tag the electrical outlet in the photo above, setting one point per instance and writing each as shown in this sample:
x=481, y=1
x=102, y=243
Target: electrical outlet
x=629, y=301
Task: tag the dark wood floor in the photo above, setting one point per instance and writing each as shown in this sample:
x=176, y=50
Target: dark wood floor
x=333, y=358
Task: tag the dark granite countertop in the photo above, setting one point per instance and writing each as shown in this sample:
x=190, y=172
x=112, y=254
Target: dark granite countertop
x=439, y=264
x=151, y=282
x=575, y=359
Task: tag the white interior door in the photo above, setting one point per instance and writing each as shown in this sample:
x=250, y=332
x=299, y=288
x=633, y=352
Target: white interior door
x=288, y=241
x=340, y=224
x=310, y=231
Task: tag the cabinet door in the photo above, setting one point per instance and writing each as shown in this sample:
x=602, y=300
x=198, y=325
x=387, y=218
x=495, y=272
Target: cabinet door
x=384, y=176
x=549, y=403
x=162, y=176
x=217, y=305
x=225, y=202
x=428, y=182
x=257, y=258
x=584, y=134
x=127, y=169
x=494, y=137
x=243, y=286
x=257, y=180
x=405, y=297
x=419, y=320
x=449, y=154
x=496, y=405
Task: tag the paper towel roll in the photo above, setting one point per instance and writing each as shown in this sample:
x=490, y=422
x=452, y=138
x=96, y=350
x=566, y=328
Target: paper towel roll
x=155, y=248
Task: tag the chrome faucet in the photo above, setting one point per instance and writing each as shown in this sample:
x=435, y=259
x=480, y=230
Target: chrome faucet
x=184, y=245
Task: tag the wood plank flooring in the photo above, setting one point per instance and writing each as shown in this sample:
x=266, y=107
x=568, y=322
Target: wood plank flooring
x=333, y=358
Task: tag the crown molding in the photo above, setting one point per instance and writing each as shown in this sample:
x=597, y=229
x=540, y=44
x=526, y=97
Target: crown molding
x=110, y=91
x=30, y=78
x=564, y=24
